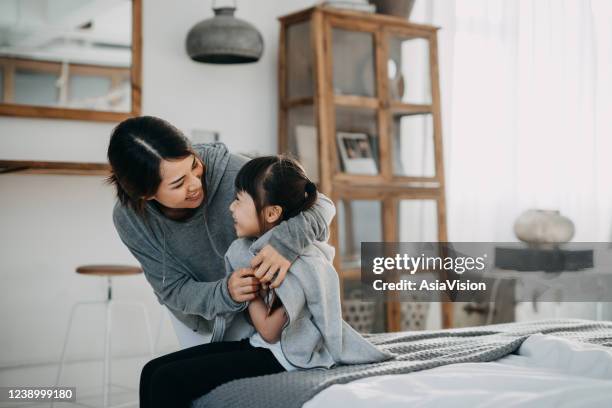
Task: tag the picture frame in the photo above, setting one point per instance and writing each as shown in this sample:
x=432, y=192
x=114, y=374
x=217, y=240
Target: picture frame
x=356, y=153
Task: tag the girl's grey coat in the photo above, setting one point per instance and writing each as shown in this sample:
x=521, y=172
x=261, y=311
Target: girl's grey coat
x=183, y=261
x=315, y=335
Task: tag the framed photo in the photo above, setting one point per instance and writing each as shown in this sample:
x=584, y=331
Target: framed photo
x=356, y=153
x=307, y=150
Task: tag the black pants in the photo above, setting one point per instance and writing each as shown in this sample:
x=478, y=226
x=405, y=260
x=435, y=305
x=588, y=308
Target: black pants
x=174, y=380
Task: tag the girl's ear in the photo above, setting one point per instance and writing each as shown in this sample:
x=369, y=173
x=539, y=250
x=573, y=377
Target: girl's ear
x=273, y=213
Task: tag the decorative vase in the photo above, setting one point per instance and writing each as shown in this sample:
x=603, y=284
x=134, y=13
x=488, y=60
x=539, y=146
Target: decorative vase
x=398, y=8
x=537, y=227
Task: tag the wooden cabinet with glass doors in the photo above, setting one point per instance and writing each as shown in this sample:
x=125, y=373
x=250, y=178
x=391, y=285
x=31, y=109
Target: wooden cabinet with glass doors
x=360, y=108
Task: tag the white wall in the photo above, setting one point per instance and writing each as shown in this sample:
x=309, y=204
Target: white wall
x=51, y=224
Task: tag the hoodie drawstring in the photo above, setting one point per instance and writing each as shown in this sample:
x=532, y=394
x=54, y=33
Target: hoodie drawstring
x=163, y=258
x=212, y=243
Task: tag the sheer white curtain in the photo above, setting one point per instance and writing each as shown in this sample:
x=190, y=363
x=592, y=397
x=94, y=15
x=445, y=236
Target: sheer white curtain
x=527, y=110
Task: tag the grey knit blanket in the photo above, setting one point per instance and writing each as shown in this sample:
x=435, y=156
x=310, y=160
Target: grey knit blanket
x=418, y=350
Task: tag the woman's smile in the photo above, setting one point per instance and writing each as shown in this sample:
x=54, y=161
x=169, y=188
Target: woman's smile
x=196, y=196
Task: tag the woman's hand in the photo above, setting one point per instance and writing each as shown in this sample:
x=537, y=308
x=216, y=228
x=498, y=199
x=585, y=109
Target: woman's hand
x=242, y=286
x=269, y=263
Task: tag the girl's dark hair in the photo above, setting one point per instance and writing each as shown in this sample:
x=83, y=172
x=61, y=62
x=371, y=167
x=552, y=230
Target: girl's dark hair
x=277, y=180
x=137, y=147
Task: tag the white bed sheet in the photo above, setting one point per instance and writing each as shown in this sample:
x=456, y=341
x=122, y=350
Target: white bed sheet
x=547, y=371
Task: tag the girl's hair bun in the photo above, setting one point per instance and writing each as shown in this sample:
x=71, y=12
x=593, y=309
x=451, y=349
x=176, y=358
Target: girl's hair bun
x=310, y=187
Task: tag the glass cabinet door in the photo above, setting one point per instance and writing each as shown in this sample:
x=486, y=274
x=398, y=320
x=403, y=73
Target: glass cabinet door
x=413, y=146
x=408, y=70
x=303, y=139
x=299, y=54
x=353, y=63
x=417, y=220
x=358, y=221
x=357, y=140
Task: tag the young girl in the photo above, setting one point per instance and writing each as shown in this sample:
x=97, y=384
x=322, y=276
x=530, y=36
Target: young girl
x=297, y=326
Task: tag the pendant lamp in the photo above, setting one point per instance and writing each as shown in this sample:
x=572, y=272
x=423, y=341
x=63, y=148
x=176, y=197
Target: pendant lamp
x=224, y=39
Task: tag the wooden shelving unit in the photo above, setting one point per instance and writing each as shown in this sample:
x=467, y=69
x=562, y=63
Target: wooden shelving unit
x=53, y=167
x=374, y=77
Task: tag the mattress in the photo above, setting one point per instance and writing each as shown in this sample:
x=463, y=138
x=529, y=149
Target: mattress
x=546, y=371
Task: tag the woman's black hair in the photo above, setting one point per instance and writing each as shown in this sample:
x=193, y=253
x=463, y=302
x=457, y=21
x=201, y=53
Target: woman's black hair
x=137, y=147
x=277, y=180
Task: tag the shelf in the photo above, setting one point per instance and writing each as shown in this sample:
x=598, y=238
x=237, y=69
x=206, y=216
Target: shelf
x=379, y=182
x=351, y=274
x=409, y=108
x=53, y=167
x=365, y=102
x=355, y=101
x=306, y=101
x=369, y=179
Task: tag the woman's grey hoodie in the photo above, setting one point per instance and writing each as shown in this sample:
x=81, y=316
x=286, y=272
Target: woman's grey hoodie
x=183, y=260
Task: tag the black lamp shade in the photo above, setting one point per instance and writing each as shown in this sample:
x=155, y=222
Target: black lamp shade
x=224, y=39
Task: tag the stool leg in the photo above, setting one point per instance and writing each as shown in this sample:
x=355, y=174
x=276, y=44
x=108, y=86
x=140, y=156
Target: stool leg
x=139, y=305
x=107, y=348
x=107, y=355
x=60, y=369
x=65, y=346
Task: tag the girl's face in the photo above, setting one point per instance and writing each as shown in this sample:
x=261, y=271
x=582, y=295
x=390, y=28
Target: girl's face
x=181, y=184
x=246, y=221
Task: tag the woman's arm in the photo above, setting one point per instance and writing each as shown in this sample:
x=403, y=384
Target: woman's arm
x=174, y=286
x=269, y=326
x=289, y=239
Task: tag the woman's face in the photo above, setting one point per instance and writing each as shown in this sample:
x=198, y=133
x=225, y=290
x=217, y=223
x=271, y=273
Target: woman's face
x=181, y=184
x=245, y=217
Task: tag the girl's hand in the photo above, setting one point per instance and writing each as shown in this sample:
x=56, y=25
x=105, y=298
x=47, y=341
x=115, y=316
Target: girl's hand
x=270, y=263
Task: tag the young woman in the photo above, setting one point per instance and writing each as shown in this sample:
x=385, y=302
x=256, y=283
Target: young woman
x=296, y=326
x=172, y=213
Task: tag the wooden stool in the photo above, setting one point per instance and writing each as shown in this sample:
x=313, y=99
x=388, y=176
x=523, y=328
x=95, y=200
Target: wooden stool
x=109, y=272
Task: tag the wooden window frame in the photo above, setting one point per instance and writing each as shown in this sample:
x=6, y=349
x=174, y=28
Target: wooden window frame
x=31, y=111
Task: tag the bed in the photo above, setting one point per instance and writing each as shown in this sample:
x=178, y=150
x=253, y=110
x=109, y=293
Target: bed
x=546, y=371
x=552, y=363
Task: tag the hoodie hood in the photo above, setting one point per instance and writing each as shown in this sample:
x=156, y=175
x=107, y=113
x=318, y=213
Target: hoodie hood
x=215, y=157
